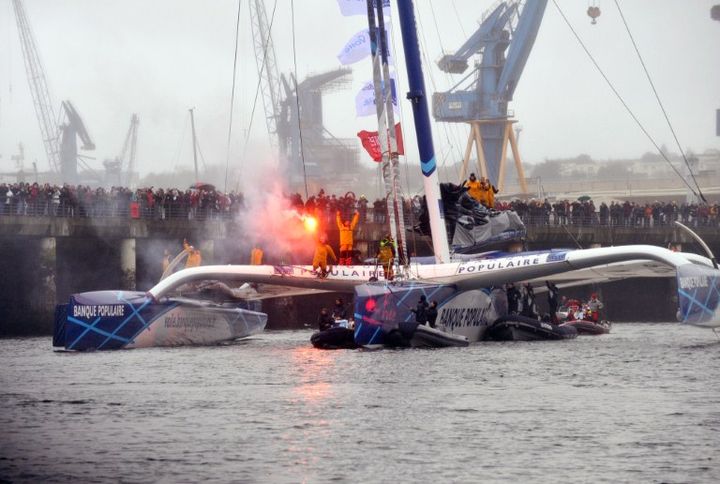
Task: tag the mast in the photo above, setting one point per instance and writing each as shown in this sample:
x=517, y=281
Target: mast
x=394, y=162
x=381, y=85
x=423, y=131
x=192, y=124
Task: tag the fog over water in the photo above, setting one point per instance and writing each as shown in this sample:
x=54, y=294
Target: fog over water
x=162, y=57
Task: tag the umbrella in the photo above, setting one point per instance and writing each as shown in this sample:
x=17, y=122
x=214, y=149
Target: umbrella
x=202, y=186
x=584, y=198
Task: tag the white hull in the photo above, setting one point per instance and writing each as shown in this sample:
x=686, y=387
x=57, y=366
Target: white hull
x=192, y=324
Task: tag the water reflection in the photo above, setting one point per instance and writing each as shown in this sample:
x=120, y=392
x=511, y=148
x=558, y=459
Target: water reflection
x=313, y=366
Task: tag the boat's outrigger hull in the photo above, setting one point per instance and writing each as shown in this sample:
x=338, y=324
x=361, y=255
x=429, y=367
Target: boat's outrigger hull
x=698, y=295
x=106, y=320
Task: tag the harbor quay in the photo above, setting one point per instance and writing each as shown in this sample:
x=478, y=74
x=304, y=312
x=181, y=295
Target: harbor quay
x=46, y=259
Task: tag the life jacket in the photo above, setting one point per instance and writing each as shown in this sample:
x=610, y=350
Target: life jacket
x=490, y=192
x=194, y=259
x=322, y=251
x=385, y=254
x=474, y=190
x=256, y=256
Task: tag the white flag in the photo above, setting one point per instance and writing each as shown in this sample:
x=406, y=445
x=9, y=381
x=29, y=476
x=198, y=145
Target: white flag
x=365, y=100
x=358, y=47
x=359, y=7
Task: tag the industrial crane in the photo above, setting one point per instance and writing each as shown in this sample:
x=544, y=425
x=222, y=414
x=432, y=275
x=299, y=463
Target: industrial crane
x=38, y=87
x=266, y=65
x=503, y=41
x=293, y=110
x=72, y=128
x=121, y=172
x=59, y=137
x=303, y=101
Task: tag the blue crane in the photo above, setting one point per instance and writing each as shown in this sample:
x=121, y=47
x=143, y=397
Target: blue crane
x=503, y=41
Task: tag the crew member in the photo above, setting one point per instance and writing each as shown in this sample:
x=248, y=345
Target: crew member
x=339, y=310
x=474, y=188
x=421, y=310
x=488, y=192
x=595, y=305
x=513, y=297
x=325, y=321
x=346, y=229
x=553, y=292
x=194, y=258
x=528, y=303
x=432, y=313
x=256, y=256
x=385, y=256
x=320, y=259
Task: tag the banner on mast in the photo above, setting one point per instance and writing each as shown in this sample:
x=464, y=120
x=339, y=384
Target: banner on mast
x=365, y=99
x=358, y=48
x=359, y=7
x=371, y=142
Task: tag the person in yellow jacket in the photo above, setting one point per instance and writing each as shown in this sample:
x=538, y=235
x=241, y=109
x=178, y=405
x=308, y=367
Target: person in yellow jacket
x=386, y=257
x=346, y=229
x=474, y=188
x=194, y=258
x=489, y=192
x=320, y=259
x=256, y=256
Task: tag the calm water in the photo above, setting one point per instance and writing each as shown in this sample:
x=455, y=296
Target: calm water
x=639, y=405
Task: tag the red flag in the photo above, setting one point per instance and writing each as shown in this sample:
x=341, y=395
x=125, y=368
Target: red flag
x=371, y=143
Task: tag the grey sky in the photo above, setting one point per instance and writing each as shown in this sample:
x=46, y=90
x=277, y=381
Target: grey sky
x=160, y=57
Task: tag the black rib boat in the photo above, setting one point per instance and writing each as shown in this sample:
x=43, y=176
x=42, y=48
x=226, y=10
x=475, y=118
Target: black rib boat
x=335, y=338
x=514, y=327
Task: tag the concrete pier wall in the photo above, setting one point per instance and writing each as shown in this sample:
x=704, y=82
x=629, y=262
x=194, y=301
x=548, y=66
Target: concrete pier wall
x=45, y=260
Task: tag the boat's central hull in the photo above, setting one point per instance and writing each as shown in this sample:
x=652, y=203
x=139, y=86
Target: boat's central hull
x=381, y=307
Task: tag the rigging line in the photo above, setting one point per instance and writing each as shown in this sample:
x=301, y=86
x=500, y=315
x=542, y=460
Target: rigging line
x=232, y=95
x=176, y=158
x=454, y=145
x=401, y=110
x=202, y=157
x=657, y=97
x=457, y=16
x=620, y=98
x=424, y=49
x=297, y=97
x=259, y=83
x=437, y=29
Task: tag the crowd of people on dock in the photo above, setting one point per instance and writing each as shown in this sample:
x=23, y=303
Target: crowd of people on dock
x=37, y=200
x=204, y=201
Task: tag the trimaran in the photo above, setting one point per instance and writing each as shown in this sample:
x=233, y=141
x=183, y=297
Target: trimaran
x=118, y=319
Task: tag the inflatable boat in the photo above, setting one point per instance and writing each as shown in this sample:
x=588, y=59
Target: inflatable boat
x=336, y=338
x=520, y=328
x=416, y=335
x=588, y=327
